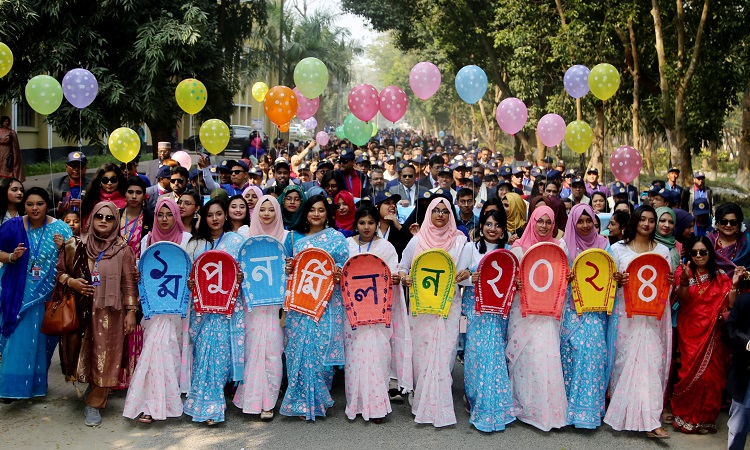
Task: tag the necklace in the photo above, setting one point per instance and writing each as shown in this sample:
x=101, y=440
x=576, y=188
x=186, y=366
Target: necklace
x=698, y=276
x=650, y=247
x=723, y=246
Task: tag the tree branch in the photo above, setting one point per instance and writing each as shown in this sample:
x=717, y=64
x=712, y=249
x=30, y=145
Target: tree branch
x=696, y=47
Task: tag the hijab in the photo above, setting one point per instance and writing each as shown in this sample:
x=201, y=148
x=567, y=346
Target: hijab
x=258, y=194
x=682, y=223
x=275, y=229
x=291, y=218
x=345, y=221
x=668, y=241
x=560, y=217
x=516, y=212
x=430, y=236
x=174, y=234
x=530, y=236
x=576, y=242
x=107, y=246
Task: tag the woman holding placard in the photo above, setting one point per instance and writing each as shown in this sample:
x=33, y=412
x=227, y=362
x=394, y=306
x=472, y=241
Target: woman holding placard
x=534, y=343
x=644, y=343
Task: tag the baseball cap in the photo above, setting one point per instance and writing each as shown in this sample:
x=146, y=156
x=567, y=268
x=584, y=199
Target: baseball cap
x=164, y=172
x=325, y=163
x=346, y=154
x=536, y=171
x=255, y=172
x=699, y=174
x=593, y=170
x=391, y=158
x=383, y=196
x=517, y=171
x=226, y=165
x=76, y=157
x=281, y=162
x=700, y=207
x=548, y=159
x=445, y=169
x=303, y=166
x=242, y=164
x=553, y=174
x=674, y=169
x=619, y=190
x=505, y=170
x=570, y=173
x=577, y=180
x=527, y=165
x=419, y=159
x=362, y=159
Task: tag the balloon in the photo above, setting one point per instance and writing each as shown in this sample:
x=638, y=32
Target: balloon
x=322, y=138
x=579, y=136
x=604, y=80
x=124, y=144
x=364, y=101
x=340, y=132
x=511, y=115
x=357, y=131
x=576, y=81
x=306, y=107
x=551, y=129
x=374, y=129
x=280, y=105
x=80, y=87
x=259, y=91
x=441, y=134
x=310, y=124
x=311, y=77
x=44, y=94
x=626, y=163
x=424, y=79
x=191, y=95
x=471, y=84
x=183, y=158
x=284, y=127
x=214, y=135
x=393, y=103
x=6, y=59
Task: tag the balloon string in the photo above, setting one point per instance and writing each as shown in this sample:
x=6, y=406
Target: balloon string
x=80, y=130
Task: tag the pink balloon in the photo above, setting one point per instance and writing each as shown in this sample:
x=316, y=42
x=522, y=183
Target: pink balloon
x=322, y=138
x=364, y=101
x=306, y=107
x=393, y=103
x=183, y=158
x=551, y=129
x=512, y=115
x=424, y=79
x=625, y=163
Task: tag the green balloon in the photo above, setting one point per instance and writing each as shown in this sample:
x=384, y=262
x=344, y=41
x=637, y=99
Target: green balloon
x=357, y=131
x=340, y=132
x=44, y=94
x=311, y=77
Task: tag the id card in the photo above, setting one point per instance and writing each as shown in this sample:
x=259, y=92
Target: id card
x=36, y=273
x=95, y=279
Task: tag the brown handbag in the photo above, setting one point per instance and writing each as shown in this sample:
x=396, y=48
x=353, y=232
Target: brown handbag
x=60, y=315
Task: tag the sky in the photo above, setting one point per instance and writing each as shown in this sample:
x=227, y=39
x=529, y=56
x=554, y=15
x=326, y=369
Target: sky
x=359, y=28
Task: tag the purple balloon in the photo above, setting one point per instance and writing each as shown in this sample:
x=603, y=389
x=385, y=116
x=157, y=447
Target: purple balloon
x=511, y=115
x=576, y=81
x=551, y=129
x=80, y=87
x=322, y=138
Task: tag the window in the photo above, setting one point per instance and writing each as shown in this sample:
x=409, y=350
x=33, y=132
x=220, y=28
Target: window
x=26, y=115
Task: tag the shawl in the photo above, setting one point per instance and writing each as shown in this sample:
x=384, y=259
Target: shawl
x=516, y=211
x=175, y=233
x=291, y=219
x=530, y=237
x=275, y=229
x=258, y=193
x=107, y=294
x=430, y=236
x=118, y=199
x=577, y=243
x=558, y=208
x=14, y=278
x=668, y=241
x=345, y=222
x=682, y=222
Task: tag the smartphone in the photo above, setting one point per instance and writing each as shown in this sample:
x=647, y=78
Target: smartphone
x=65, y=199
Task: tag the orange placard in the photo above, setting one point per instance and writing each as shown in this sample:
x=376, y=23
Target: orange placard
x=544, y=273
x=647, y=290
x=367, y=290
x=311, y=283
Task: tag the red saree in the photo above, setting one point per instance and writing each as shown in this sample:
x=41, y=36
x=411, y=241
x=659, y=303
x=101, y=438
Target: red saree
x=701, y=379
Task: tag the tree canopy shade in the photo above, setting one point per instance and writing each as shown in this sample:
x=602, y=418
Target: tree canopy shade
x=137, y=49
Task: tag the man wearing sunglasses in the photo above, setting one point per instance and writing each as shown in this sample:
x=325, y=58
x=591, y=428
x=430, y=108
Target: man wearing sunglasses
x=179, y=178
x=407, y=186
x=66, y=191
x=239, y=177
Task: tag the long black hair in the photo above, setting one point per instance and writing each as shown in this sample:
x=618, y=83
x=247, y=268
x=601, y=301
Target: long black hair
x=5, y=185
x=303, y=226
x=621, y=218
x=711, y=266
x=93, y=191
x=198, y=199
x=336, y=176
x=246, y=221
x=606, y=203
x=729, y=208
x=501, y=218
x=40, y=192
x=204, y=232
x=635, y=219
x=366, y=210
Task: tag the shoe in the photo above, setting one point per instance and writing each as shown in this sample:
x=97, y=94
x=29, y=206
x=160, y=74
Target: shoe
x=144, y=418
x=210, y=422
x=378, y=420
x=266, y=415
x=93, y=418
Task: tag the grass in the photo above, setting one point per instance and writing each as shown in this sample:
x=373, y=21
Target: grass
x=43, y=168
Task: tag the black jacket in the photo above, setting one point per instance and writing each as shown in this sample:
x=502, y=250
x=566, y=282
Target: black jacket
x=737, y=335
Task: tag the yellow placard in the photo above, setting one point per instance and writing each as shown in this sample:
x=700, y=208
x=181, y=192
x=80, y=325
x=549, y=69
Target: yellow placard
x=593, y=286
x=434, y=275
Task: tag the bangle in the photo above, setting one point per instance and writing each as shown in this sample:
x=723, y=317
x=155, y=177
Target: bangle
x=735, y=290
x=10, y=258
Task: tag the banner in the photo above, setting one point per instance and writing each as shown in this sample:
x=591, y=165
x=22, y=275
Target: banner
x=544, y=274
x=216, y=287
x=367, y=289
x=497, y=282
x=647, y=290
x=593, y=286
x=434, y=283
x=165, y=268
x=312, y=283
x=263, y=259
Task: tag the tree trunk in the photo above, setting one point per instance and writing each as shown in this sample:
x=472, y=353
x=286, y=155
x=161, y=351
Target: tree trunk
x=714, y=161
x=648, y=145
x=743, y=172
x=159, y=133
x=487, y=128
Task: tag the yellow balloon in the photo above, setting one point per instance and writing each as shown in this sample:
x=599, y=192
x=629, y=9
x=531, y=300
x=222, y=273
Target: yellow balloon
x=124, y=144
x=191, y=95
x=259, y=91
x=579, y=136
x=374, y=129
x=6, y=59
x=604, y=80
x=214, y=135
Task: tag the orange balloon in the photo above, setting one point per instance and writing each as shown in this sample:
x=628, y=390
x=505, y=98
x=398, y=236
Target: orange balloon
x=284, y=127
x=280, y=105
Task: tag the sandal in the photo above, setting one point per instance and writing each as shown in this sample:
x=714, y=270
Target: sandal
x=656, y=434
x=667, y=418
x=210, y=423
x=378, y=420
x=145, y=418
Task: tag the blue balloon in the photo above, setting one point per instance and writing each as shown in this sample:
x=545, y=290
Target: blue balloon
x=576, y=81
x=441, y=134
x=471, y=84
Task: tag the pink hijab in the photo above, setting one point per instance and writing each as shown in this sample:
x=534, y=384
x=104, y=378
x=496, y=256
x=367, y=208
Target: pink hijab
x=530, y=237
x=258, y=193
x=575, y=241
x=172, y=235
x=276, y=229
x=430, y=236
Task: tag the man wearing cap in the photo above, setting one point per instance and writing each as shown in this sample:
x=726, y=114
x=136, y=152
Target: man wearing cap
x=702, y=218
x=178, y=184
x=161, y=187
x=66, y=191
x=363, y=164
x=631, y=190
x=578, y=191
x=238, y=178
x=698, y=190
x=593, y=184
x=445, y=180
x=390, y=168
x=672, y=176
x=527, y=181
x=658, y=197
x=547, y=164
x=163, y=151
x=303, y=173
x=356, y=181
x=565, y=187
x=281, y=176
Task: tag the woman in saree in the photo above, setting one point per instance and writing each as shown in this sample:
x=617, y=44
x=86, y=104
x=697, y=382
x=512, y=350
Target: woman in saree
x=434, y=338
x=486, y=382
x=100, y=267
x=515, y=210
x=218, y=340
x=314, y=349
x=533, y=350
x=730, y=239
x=136, y=221
x=373, y=350
x=704, y=293
x=264, y=336
x=291, y=201
x=154, y=392
x=644, y=343
x=29, y=255
x=587, y=354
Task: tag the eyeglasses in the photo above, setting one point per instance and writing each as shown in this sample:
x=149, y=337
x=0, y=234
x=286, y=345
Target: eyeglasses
x=703, y=252
x=177, y=180
x=730, y=222
x=292, y=200
x=543, y=222
x=112, y=180
x=441, y=212
x=236, y=172
x=496, y=226
x=108, y=217
x=168, y=215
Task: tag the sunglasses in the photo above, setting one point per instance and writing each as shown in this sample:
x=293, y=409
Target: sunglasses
x=237, y=172
x=112, y=180
x=108, y=217
x=731, y=223
x=177, y=180
x=407, y=176
x=703, y=252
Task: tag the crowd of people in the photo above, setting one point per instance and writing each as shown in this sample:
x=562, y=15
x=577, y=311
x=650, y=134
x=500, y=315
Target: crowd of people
x=398, y=196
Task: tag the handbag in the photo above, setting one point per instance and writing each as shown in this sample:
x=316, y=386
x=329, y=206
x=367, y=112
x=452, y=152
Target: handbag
x=60, y=315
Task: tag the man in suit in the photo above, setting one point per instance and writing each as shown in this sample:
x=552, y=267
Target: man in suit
x=66, y=191
x=430, y=181
x=160, y=188
x=163, y=151
x=737, y=336
x=696, y=191
x=407, y=188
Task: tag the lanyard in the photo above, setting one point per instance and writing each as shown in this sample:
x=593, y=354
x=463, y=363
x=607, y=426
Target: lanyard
x=98, y=258
x=39, y=242
x=129, y=235
x=205, y=247
x=351, y=183
x=368, y=245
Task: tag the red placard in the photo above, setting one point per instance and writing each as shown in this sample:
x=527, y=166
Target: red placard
x=647, y=290
x=216, y=288
x=367, y=289
x=497, y=282
x=544, y=273
x=311, y=283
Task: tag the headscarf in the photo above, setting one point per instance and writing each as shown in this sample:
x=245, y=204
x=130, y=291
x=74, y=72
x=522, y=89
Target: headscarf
x=345, y=222
x=668, y=241
x=275, y=229
x=258, y=193
x=516, y=212
x=174, y=234
x=682, y=223
x=430, y=236
x=560, y=217
x=108, y=293
x=530, y=236
x=316, y=190
x=291, y=218
x=95, y=244
x=574, y=240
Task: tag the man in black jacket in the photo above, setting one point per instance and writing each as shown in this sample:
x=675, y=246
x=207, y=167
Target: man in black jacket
x=737, y=336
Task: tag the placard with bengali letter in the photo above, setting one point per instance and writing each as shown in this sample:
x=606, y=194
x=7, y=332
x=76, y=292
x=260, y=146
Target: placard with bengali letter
x=367, y=289
x=544, y=277
x=311, y=284
x=593, y=285
x=647, y=289
x=263, y=260
x=165, y=268
x=216, y=288
x=497, y=282
x=434, y=283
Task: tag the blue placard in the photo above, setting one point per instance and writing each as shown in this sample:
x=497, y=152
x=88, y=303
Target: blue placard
x=262, y=259
x=165, y=268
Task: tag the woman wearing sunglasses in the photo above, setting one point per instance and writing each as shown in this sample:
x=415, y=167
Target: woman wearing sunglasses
x=109, y=185
x=731, y=241
x=704, y=293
